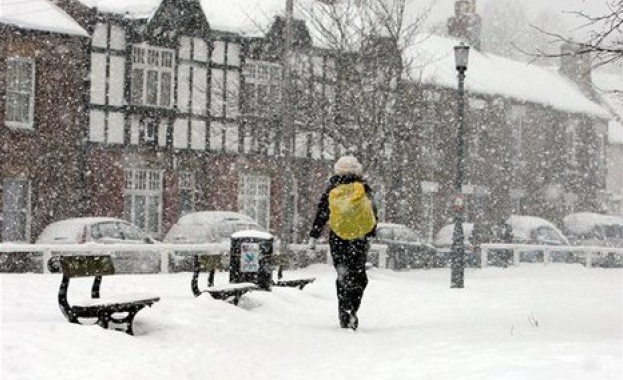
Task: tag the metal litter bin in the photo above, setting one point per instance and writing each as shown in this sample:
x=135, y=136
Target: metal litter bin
x=249, y=258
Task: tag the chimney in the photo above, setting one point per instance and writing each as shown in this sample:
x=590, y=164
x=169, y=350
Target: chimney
x=466, y=23
x=577, y=67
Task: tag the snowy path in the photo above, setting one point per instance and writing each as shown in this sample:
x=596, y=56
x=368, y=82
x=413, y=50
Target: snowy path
x=532, y=322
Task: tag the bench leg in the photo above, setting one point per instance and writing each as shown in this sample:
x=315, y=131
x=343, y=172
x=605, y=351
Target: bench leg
x=104, y=320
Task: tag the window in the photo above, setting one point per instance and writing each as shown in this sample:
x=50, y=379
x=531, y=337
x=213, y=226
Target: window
x=20, y=93
x=571, y=140
x=254, y=198
x=152, y=76
x=262, y=87
x=16, y=210
x=187, y=192
x=516, y=120
x=143, y=199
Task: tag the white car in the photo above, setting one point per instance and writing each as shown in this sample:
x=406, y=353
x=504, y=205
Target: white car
x=591, y=229
x=103, y=230
x=535, y=230
x=209, y=227
x=215, y=227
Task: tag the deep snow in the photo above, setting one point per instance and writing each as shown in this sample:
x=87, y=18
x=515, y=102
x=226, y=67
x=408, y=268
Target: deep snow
x=531, y=322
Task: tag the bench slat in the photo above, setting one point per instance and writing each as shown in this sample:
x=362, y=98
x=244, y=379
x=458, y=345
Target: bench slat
x=117, y=300
x=87, y=266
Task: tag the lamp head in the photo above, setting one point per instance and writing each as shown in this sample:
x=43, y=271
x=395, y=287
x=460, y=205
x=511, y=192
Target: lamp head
x=461, y=56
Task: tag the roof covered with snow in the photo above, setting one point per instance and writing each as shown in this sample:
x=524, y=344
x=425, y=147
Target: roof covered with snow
x=40, y=15
x=431, y=59
x=247, y=17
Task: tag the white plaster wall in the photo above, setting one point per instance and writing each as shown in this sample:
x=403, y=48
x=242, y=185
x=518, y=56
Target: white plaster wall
x=200, y=88
x=117, y=37
x=180, y=134
x=116, y=81
x=116, y=124
x=97, y=126
x=98, y=78
x=183, y=87
x=198, y=134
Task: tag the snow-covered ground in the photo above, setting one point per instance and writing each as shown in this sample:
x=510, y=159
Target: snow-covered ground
x=531, y=322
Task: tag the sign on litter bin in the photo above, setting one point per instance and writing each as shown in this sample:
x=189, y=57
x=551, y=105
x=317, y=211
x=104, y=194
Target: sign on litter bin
x=249, y=257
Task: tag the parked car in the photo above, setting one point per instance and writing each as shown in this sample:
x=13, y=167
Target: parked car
x=209, y=227
x=591, y=229
x=214, y=227
x=103, y=230
x=535, y=230
x=443, y=243
x=405, y=249
x=93, y=229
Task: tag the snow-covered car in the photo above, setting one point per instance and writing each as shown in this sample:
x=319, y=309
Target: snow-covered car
x=104, y=230
x=591, y=229
x=536, y=230
x=92, y=229
x=405, y=249
x=209, y=227
x=214, y=227
x=443, y=243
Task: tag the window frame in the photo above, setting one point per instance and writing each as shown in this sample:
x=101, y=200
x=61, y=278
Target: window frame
x=249, y=197
x=29, y=124
x=266, y=77
x=26, y=210
x=150, y=60
x=147, y=183
x=187, y=182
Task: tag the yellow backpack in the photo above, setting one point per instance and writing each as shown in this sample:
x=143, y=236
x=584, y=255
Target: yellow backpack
x=350, y=211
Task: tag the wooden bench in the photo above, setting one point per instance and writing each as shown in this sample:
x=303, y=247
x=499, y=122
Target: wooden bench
x=106, y=310
x=282, y=261
x=210, y=263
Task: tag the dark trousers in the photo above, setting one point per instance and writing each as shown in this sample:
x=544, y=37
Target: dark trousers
x=349, y=259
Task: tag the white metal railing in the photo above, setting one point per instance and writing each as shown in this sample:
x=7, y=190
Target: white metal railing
x=322, y=253
x=164, y=251
x=588, y=253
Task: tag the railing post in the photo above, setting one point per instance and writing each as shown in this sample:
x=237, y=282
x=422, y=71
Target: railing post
x=589, y=259
x=516, y=256
x=546, y=256
x=164, y=261
x=383, y=257
x=484, y=256
x=45, y=257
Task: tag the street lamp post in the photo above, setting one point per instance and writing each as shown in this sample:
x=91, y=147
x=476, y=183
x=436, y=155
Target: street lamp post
x=287, y=130
x=461, y=55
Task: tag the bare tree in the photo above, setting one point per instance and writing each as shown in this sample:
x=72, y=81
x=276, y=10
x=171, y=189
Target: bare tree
x=368, y=38
x=604, y=37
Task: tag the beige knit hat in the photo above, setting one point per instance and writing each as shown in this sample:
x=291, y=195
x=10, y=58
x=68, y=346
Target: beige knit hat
x=347, y=165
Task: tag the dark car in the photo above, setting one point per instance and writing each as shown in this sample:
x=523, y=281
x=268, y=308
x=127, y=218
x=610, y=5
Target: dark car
x=405, y=249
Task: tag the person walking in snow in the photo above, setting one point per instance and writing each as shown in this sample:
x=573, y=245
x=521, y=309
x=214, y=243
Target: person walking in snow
x=347, y=204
